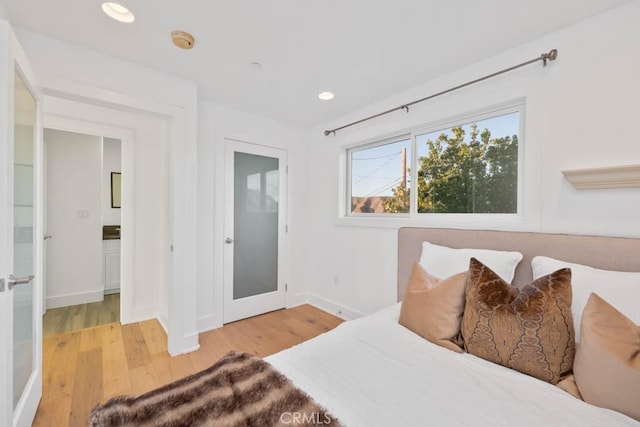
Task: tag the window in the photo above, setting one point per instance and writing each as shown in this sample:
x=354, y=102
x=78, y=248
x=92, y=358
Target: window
x=380, y=179
x=472, y=168
x=460, y=168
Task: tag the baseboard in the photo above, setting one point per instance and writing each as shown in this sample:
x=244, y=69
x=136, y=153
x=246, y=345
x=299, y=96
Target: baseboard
x=194, y=340
x=163, y=322
x=207, y=323
x=334, y=308
x=186, y=344
x=145, y=313
x=210, y=322
x=75, y=299
x=296, y=300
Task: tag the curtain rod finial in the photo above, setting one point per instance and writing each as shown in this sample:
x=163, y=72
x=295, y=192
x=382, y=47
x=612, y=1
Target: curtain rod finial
x=550, y=56
x=329, y=132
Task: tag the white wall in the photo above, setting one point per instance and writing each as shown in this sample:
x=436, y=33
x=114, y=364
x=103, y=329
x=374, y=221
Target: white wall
x=111, y=162
x=3, y=10
x=580, y=112
x=217, y=123
x=74, y=180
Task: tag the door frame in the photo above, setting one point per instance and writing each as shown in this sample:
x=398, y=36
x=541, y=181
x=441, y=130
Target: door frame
x=278, y=298
x=182, y=334
x=127, y=212
x=12, y=57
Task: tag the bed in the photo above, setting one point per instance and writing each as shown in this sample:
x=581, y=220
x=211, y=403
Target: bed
x=373, y=371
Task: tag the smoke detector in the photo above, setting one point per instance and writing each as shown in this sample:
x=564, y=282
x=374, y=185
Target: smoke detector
x=182, y=39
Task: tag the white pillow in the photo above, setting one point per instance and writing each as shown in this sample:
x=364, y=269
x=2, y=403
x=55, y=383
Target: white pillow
x=442, y=261
x=620, y=289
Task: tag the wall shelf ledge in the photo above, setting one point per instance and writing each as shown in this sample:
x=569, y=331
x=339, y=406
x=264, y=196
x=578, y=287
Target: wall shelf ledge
x=627, y=176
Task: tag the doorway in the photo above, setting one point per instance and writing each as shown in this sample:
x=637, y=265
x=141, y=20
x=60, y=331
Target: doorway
x=82, y=227
x=255, y=230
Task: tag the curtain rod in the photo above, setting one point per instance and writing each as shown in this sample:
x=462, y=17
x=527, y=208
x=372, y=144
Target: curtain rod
x=550, y=56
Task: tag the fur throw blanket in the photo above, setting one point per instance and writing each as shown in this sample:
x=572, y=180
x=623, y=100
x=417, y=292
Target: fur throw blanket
x=238, y=390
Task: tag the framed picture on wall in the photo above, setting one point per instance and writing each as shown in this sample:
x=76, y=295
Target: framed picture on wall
x=115, y=190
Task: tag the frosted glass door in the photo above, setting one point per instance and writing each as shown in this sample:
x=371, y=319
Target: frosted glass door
x=255, y=230
x=255, y=251
x=23, y=237
x=20, y=247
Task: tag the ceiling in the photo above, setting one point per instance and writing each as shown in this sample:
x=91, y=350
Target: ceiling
x=362, y=50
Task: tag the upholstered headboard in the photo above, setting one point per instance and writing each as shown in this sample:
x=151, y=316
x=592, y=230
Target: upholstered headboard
x=609, y=253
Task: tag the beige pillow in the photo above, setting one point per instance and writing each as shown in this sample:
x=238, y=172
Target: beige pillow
x=607, y=365
x=432, y=308
x=569, y=385
x=529, y=329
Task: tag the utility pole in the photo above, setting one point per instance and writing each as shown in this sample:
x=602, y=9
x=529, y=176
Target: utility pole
x=403, y=182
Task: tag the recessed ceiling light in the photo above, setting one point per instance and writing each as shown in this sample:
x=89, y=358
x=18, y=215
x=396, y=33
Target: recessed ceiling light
x=118, y=12
x=256, y=66
x=326, y=96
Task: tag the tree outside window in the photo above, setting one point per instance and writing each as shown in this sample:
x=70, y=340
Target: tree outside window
x=470, y=168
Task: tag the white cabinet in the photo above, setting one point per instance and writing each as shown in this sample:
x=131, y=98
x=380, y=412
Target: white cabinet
x=111, y=266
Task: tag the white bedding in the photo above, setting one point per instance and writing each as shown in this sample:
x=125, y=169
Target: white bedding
x=374, y=372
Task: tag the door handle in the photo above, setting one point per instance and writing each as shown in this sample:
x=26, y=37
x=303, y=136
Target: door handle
x=47, y=237
x=15, y=281
x=228, y=240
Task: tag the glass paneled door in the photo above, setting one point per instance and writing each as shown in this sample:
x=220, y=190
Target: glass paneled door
x=23, y=241
x=255, y=230
x=20, y=249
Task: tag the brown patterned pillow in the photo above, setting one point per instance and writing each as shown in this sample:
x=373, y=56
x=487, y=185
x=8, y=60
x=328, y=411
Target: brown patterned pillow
x=529, y=329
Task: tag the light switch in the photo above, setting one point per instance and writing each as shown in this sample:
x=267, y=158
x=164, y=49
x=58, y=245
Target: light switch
x=83, y=214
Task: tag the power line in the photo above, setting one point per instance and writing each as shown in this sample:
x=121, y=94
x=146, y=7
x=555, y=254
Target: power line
x=385, y=187
x=378, y=168
x=376, y=158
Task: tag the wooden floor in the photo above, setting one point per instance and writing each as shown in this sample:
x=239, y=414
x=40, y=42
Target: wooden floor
x=65, y=319
x=86, y=367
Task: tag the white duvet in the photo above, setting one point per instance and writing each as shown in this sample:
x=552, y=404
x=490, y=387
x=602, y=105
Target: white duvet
x=374, y=372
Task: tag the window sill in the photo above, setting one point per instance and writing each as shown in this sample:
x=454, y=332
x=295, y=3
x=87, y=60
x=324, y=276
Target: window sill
x=513, y=222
